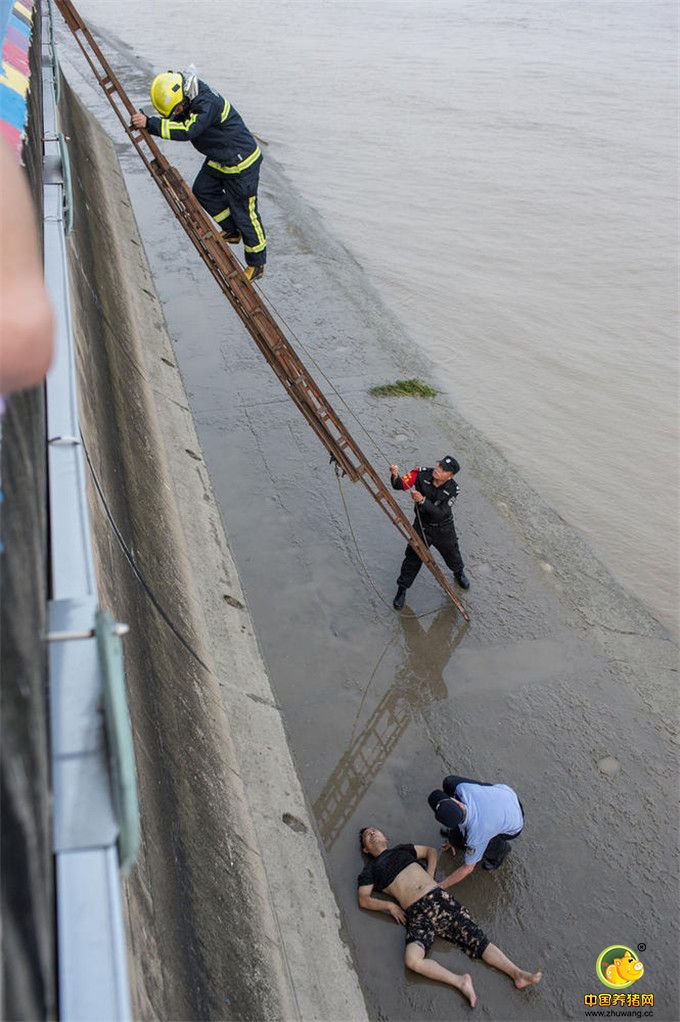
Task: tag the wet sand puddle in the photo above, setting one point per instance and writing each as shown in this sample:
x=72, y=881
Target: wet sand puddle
x=416, y=670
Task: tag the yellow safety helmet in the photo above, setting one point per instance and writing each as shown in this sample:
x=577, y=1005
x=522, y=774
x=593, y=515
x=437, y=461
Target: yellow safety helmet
x=167, y=91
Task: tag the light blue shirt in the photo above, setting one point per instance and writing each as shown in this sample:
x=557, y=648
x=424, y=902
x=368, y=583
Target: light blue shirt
x=491, y=810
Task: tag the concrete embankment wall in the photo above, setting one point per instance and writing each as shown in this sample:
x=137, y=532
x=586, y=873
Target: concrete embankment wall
x=190, y=909
x=206, y=903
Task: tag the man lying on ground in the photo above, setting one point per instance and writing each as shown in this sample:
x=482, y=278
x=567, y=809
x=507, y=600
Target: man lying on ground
x=427, y=912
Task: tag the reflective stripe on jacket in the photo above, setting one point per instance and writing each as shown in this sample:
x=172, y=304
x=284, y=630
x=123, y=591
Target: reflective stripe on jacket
x=215, y=128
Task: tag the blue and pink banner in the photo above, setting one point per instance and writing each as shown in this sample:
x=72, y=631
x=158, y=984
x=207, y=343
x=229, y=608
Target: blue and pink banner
x=16, y=25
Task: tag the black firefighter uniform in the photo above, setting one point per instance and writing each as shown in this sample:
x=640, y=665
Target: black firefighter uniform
x=226, y=185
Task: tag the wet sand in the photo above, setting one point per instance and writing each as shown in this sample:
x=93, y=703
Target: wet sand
x=559, y=674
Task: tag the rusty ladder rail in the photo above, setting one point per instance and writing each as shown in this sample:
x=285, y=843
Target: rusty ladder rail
x=247, y=303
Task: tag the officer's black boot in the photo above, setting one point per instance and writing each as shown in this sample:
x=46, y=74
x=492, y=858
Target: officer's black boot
x=400, y=598
x=462, y=580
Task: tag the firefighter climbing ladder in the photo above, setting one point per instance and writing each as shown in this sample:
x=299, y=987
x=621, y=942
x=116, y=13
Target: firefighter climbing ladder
x=246, y=301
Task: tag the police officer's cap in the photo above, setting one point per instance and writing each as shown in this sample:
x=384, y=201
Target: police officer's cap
x=449, y=464
x=445, y=809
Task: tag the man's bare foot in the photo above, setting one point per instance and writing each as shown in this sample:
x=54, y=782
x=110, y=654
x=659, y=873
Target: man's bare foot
x=467, y=990
x=525, y=979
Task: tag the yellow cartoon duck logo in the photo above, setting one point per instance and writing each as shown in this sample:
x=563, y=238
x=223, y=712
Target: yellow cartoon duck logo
x=618, y=967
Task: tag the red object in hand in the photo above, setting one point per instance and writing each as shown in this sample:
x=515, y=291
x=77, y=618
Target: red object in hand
x=409, y=479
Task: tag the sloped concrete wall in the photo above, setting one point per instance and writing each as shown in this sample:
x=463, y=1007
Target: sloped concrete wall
x=230, y=909
x=202, y=939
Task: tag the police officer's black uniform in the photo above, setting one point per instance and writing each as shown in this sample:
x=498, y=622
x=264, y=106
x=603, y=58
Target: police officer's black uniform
x=437, y=528
x=226, y=185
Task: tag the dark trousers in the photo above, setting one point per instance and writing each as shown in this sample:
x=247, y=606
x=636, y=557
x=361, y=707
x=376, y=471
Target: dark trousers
x=231, y=200
x=496, y=845
x=494, y=853
x=442, y=538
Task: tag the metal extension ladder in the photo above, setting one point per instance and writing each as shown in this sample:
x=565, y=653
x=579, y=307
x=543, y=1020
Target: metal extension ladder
x=247, y=303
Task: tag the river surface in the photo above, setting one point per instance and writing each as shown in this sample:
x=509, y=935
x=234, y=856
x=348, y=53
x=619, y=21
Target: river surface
x=505, y=172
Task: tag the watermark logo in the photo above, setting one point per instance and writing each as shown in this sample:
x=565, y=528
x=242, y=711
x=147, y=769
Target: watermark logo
x=618, y=967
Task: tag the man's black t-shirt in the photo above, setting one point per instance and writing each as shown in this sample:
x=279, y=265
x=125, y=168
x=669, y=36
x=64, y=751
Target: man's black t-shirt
x=387, y=866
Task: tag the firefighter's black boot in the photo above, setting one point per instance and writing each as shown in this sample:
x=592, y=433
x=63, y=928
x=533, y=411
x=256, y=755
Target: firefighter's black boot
x=399, y=599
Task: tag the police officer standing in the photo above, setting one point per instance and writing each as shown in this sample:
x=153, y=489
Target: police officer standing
x=227, y=182
x=433, y=491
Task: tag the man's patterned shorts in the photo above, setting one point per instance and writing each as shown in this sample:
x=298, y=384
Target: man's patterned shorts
x=438, y=914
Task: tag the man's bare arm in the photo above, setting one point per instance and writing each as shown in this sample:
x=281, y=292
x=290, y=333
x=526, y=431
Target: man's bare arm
x=366, y=900
x=426, y=852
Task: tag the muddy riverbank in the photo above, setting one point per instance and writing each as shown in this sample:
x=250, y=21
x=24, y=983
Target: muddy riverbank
x=562, y=685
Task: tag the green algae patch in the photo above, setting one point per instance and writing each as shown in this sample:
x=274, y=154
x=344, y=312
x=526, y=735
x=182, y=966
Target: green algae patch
x=404, y=388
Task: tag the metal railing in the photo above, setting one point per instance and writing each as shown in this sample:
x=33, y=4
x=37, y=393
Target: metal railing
x=96, y=820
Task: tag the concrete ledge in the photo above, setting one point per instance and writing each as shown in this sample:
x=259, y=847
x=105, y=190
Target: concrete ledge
x=229, y=909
